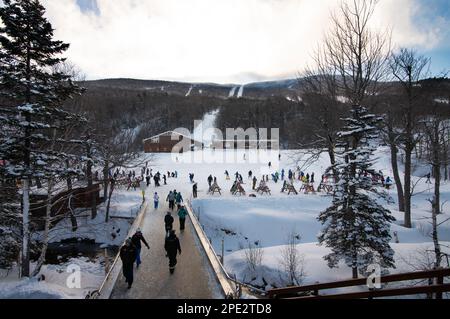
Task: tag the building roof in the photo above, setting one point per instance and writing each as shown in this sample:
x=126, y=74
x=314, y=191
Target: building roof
x=170, y=133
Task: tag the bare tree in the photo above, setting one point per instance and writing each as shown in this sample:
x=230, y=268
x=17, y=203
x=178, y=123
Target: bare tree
x=292, y=261
x=408, y=68
x=347, y=69
x=253, y=256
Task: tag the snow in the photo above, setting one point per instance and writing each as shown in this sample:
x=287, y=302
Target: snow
x=241, y=92
x=189, y=91
x=232, y=92
x=203, y=132
x=124, y=208
x=56, y=283
x=240, y=221
x=442, y=101
x=268, y=220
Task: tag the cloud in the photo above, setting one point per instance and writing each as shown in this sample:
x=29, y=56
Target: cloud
x=209, y=40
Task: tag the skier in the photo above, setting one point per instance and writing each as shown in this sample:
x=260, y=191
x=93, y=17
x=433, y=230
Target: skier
x=136, y=240
x=282, y=174
x=210, y=179
x=128, y=256
x=182, y=213
x=428, y=176
x=165, y=179
x=388, y=183
x=156, y=200
x=171, y=200
x=255, y=180
x=172, y=247
x=194, y=190
x=168, y=221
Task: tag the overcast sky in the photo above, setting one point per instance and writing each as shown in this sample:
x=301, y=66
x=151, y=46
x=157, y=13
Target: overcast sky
x=225, y=41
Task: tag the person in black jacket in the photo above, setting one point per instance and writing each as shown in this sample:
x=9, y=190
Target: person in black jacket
x=172, y=247
x=128, y=256
x=168, y=221
x=195, y=190
x=136, y=240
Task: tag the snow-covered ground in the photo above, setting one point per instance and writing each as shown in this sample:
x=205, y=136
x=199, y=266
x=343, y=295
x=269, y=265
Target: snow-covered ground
x=125, y=206
x=268, y=220
x=265, y=220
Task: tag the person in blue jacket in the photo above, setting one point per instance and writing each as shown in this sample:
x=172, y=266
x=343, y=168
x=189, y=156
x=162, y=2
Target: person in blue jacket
x=182, y=213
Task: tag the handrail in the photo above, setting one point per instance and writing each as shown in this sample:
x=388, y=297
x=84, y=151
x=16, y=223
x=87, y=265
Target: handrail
x=438, y=273
x=217, y=259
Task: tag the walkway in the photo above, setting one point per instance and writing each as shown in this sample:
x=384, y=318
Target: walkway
x=193, y=277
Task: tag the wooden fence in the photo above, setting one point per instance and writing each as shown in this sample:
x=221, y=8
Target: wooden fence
x=436, y=288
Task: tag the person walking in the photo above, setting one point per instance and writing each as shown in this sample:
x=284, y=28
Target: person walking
x=136, y=240
x=128, y=256
x=156, y=200
x=168, y=222
x=143, y=187
x=172, y=247
x=255, y=180
x=182, y=213
x=210, y=180
x=147, y=178
x=171, y=200
x=178, y=199
x=194, y=190
x=428, y=176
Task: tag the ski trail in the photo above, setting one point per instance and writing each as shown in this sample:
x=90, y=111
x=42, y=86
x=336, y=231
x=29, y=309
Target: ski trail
x=232, y=92
x=189, y=92
x=241, y=92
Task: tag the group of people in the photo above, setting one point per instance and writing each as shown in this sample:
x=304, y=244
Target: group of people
x=130, y=252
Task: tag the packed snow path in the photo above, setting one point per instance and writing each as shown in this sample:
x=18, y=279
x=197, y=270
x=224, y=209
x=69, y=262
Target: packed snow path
x=193, y=278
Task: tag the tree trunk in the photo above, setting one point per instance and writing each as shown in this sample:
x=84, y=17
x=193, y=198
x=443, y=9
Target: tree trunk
x=90, y=182
x=68, y=179
x=48, y=214
x=111, y=190
x=105, y=180
x=394, y=164
x=25, y=262
x=408, y=153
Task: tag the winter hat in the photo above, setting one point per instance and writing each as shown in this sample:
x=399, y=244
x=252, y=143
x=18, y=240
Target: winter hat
x=138, y=230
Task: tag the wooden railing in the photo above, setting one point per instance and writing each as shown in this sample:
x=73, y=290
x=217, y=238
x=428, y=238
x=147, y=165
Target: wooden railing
x=313, y=291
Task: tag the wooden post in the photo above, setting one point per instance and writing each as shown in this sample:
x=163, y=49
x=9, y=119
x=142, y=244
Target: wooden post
x=440, y=281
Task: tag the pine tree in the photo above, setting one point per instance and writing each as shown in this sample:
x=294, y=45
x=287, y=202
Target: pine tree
x=30, y=82
x=356, y=227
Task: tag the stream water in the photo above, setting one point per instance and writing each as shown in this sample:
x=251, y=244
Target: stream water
x=61, y=252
